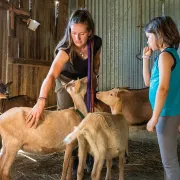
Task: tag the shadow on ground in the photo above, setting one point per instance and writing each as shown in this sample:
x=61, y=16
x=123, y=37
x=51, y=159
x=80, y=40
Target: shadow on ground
x=143, y=162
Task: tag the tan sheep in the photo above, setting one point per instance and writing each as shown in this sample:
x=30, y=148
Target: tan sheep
x=46, y=138
x=103, y=135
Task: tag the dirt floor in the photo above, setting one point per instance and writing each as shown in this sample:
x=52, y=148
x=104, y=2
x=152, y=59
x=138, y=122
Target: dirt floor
x=143, y=162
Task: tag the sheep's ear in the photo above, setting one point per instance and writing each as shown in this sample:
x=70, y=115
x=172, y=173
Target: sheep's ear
x=8, y=84
x=63, y=83
x=120, y=91
x=84, y=80
x=120, y=88
x=123, y=90
x=66, y=84
x=77, y=85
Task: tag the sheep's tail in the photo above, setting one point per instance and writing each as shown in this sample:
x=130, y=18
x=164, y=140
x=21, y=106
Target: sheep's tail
x=72, y=136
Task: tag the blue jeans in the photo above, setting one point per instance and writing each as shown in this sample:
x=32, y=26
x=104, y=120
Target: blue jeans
x=167, y=131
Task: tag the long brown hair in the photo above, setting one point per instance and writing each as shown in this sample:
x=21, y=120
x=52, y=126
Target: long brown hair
x=82, y=16
x=164, y=27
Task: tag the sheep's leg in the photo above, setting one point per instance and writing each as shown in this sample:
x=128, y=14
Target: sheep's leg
x=99, y=151
x=98, y=170
x=69, y=173
x=108, y=171
x=8, y=158
x=66, y=163
x=82, y=154
x=2, y=157
x=93, y=173
x=121, y=166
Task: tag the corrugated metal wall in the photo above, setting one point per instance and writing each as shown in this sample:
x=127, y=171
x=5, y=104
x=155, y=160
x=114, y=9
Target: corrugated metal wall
x=119, y=23
x=75, y=4
x=171, y=8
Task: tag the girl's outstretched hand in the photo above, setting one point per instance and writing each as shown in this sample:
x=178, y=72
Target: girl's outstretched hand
x=35, y=114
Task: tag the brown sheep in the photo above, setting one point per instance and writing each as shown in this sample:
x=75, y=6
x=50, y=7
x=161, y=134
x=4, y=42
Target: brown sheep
x=133, y=103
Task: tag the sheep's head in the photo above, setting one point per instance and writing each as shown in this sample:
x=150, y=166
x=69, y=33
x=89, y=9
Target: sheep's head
x=3, y=90
x=75, y=87
x=113, y=98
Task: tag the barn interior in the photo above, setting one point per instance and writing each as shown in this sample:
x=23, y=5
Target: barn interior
x=26, y=55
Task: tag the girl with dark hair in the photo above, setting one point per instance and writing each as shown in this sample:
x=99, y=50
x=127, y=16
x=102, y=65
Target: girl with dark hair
x=164, y=91
x=71, y=62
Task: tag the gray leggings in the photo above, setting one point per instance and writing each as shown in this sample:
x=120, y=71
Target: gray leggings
x=167, y=131
x=64, y=100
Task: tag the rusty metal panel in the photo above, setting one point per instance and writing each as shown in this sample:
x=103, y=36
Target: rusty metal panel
x=120, y=24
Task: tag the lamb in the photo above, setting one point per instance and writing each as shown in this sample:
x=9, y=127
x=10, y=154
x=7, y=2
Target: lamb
x=103, y=135
x=46, y=138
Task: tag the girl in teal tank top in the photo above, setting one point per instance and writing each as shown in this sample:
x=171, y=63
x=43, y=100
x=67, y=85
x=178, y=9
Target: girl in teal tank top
x=164, y=89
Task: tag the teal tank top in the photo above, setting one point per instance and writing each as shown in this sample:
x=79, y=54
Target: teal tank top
x=172, y=103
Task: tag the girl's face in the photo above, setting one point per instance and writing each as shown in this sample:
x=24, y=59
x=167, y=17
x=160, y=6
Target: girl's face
x=79, y=34
x=152, y=41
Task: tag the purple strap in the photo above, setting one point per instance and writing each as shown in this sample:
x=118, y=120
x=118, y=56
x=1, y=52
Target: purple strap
x=89, y=79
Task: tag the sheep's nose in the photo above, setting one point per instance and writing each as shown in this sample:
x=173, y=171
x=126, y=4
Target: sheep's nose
x=98, y=95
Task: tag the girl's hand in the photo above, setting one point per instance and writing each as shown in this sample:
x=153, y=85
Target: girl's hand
x=35, y=114
x=151, y=125
x=147, y=51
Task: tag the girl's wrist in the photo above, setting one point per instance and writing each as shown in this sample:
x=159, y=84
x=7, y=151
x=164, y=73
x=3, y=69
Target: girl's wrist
x=154, y=118
x=146, y=57
x=41, y=100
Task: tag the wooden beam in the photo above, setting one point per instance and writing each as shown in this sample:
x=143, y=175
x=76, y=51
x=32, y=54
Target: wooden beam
x=20, y=11
x=12, y=20
x=29, y=62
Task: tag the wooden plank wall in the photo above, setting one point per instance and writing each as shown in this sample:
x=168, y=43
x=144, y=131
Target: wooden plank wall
x=27, y=44
x=4, y=43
